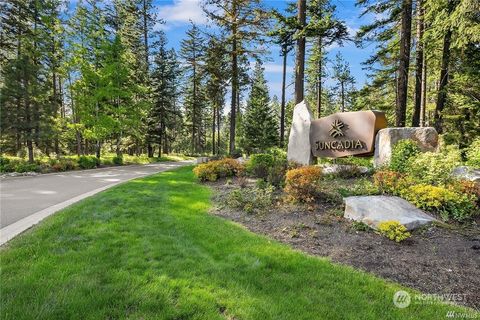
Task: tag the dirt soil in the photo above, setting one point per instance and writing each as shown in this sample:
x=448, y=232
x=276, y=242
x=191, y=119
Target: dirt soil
x=435, y=260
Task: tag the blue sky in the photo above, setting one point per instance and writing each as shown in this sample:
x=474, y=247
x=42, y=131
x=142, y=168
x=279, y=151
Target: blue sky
x=178, y=13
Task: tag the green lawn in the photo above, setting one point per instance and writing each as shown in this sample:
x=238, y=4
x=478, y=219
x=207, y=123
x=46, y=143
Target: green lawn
x=148, y=249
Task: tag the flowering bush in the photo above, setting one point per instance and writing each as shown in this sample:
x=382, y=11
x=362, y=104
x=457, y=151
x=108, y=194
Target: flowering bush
x=302, y=184
x=447, y=203
x=394, y=230
x=213, y=170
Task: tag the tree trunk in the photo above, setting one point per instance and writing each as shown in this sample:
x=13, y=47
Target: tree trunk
x=300, y=56
x=343, y=96
x=233, y=109
x=423, y=104
x=404, y=61
x=98, y=148
x=282, y=107
x=214, y=112
x=419, y=66
x=319, y=78
x=218, y=130
x=150, y=150
x=442, y=94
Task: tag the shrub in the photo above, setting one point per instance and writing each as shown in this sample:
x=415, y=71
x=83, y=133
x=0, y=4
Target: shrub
x=390, y=182
x=59, y=165
x=24, y=166
x=394, y=230
x=117, y=160
x=434, y=168
x=213, y=170
x=276, y=173
x=302, y=184
x=88, y=162
x=447, y=203
x=467, y=187
x=259, y=164
x=251, y=200
x=5, y=165
x=473, y=154
x=401, y=153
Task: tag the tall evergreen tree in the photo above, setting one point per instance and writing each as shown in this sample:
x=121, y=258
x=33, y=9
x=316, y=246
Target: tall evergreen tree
x=192, y=51
x=344, y=79
x=260, y=128
x=243, y=22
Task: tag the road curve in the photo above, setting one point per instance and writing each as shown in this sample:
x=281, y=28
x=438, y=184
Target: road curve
x=24, y=201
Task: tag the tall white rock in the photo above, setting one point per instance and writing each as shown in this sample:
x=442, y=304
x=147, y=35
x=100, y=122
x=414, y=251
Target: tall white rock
x=299, y=149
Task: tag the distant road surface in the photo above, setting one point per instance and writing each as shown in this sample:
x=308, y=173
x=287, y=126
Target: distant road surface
x=24, y=201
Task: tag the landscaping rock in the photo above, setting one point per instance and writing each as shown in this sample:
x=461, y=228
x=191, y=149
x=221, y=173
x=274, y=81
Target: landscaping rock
x=426, y=138
x=372, y=210
x=202, y=160
x=342, y=168
x=299, y=149
x=467, y=173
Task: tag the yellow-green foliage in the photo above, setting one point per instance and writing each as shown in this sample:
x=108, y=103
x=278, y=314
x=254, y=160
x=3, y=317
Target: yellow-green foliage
x=302, y=184
x=213, y=170
x=473, y=154
x=394, y=230
x=434, y=168
x=448, y=203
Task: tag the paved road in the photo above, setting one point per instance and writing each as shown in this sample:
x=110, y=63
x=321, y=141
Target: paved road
x=22, y=197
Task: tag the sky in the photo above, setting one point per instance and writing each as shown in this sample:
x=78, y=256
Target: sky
x=178, y=14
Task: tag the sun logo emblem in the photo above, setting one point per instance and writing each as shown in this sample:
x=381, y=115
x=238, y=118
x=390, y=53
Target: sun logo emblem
x=336, y=130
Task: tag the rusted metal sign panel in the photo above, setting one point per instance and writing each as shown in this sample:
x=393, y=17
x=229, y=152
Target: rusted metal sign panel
x=346, y=133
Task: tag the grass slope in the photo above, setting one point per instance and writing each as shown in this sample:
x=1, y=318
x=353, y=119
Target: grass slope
x=148, y=249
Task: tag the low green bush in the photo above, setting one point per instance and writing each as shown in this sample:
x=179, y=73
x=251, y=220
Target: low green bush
x=117, y=160
x=394, y=230
x=402, y=152
x=259, y=165
x=252, y=200
x=88, y=162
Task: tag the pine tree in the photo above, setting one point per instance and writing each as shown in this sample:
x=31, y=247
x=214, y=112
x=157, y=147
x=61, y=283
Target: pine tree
x=344, y=79
x=260, y=127
x=216, y=64
x=162, y=115
x=192, y=52
x=324, y=29
x=243, y=22
x=283, y=36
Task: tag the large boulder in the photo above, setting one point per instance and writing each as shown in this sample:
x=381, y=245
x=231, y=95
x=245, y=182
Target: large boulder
x=425, y=137
x=372, y=210
x=466, y=173
x=299, y=149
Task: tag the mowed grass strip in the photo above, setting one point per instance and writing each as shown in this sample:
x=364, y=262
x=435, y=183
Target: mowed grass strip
x=148, y=249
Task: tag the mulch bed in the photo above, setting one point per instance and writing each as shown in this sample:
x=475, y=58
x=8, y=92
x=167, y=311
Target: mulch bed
x=435, y=260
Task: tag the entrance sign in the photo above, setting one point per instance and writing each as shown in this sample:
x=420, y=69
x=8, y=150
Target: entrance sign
x=346, y=133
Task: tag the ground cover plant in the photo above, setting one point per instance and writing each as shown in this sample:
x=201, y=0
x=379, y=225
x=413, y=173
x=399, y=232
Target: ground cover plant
x=149, y=249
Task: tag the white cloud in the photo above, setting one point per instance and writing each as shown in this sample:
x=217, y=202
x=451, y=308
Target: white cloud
x=276, y=68
x=182, y=11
